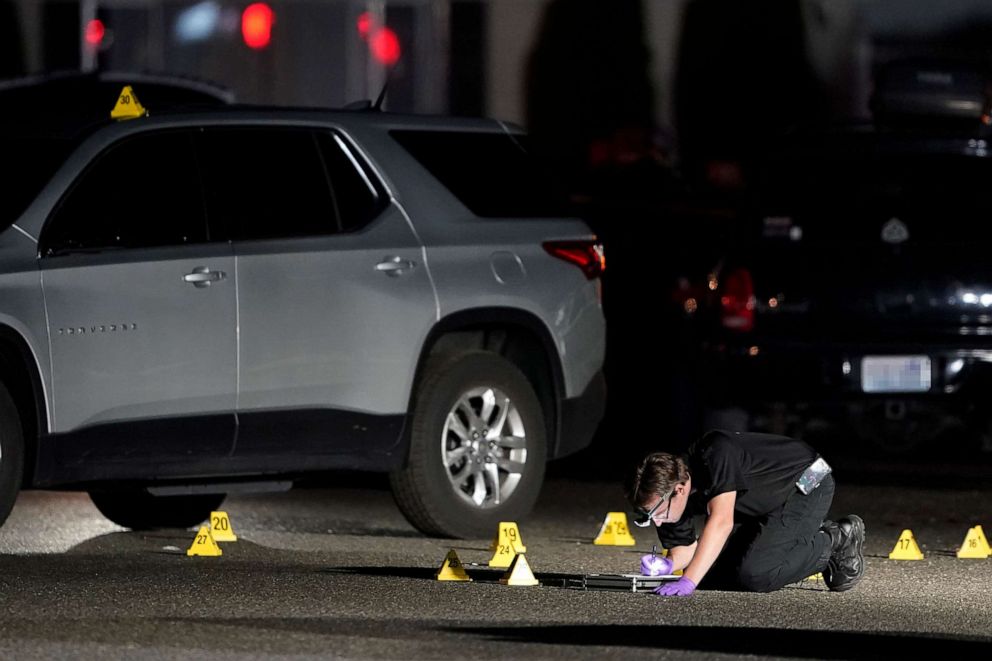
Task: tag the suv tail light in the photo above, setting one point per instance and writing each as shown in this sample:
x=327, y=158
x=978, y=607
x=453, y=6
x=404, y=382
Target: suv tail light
x=587, y=255
x=737, y=301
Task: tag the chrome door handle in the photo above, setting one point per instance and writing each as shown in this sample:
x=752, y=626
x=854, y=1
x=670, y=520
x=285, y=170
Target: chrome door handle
x=394, y=266
x=201, y=277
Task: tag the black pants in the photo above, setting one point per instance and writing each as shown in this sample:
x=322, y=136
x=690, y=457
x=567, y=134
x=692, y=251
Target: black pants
x=770, y=552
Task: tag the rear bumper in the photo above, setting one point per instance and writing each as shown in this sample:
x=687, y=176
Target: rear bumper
x=795, y=372
x=580, y=416
x=819, y=390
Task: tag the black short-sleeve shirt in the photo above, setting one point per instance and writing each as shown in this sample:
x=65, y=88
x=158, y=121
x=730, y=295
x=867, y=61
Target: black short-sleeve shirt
x=761, y=468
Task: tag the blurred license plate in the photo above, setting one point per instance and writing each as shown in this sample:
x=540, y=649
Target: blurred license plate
x=895, y=373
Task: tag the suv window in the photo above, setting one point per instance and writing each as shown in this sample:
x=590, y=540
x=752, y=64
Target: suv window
x=357, y=198
x=266, y=183
x=142, y=192
x=490, y=173
x=31, y=162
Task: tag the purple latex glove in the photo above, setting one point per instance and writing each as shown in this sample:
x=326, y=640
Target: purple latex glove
x=680, y=588
x=653, y=565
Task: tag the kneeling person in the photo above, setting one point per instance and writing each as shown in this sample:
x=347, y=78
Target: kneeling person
x=765, y=499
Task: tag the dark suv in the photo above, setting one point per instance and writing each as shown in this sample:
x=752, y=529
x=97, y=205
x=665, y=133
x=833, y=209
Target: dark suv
x=856, y=292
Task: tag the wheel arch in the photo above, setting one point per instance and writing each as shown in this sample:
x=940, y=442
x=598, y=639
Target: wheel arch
x=21, y=375
x=514, y=334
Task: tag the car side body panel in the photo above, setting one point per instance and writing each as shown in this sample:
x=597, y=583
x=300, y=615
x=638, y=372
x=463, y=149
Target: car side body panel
x=23, y=306
x=322, y=326
x=132, y=339
x=497, y=262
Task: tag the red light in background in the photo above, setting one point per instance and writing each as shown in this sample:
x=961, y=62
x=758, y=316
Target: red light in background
x=738, y=301
x=385, y=46
x=256, y=25
x=95, y=32
x=364, y=25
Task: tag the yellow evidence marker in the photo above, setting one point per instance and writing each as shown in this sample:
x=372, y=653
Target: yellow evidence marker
x=519, y=572
x=204, y=544
x=128, y=106
x=906, y=548
x=506, y=545
x=508, y=530
x=220, y=527
x=975, y=545
x=452, y=569
x=614, y=531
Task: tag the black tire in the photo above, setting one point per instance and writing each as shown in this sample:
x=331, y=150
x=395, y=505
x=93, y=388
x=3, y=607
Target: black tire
x=425, y=493
x=11, y=453
x=139, y=510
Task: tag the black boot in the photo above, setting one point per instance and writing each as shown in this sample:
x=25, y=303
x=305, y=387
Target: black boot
x=847, y=562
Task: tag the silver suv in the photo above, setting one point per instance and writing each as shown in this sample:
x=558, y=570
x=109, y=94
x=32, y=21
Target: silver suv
x=229, y=300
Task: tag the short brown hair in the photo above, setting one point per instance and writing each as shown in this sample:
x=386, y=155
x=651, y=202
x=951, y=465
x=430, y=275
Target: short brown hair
x=656, y=475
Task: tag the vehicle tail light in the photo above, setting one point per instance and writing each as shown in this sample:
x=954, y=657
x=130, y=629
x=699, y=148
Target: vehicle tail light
x=737, y=301
x=587, y=255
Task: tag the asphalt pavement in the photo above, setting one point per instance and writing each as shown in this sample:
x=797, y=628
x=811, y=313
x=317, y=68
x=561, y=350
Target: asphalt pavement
x=337, y=572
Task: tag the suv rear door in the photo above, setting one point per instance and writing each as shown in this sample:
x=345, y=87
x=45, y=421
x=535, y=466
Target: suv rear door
x=333, y=295
x=141, y=309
